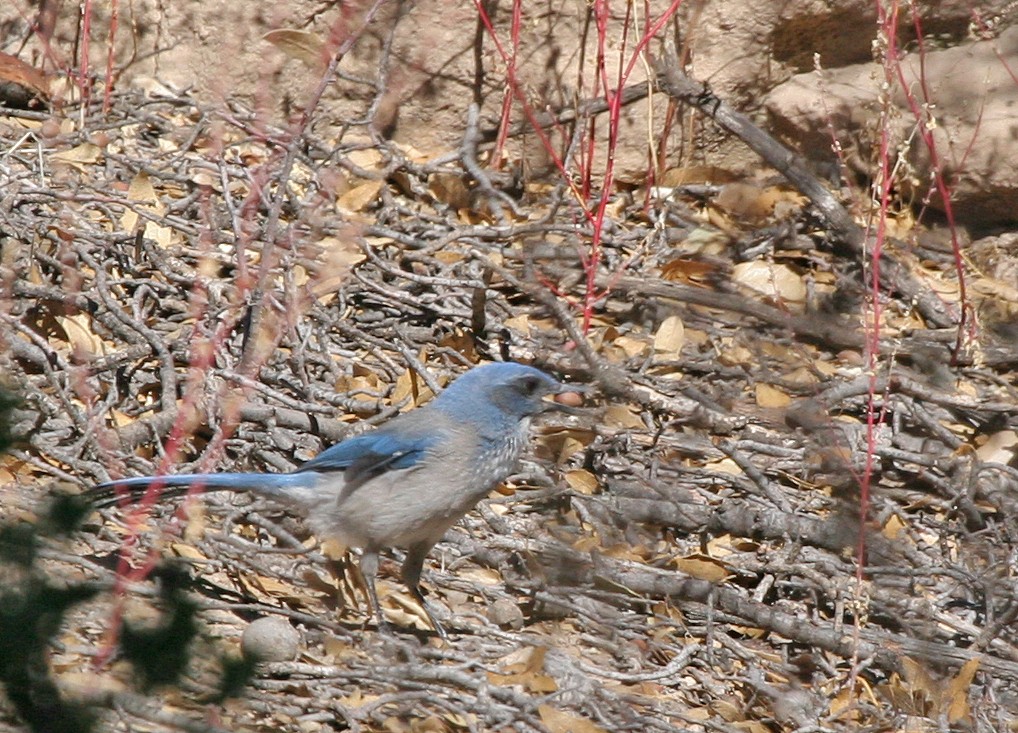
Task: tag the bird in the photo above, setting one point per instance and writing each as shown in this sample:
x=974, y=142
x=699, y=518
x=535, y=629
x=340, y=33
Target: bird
x=402, y=484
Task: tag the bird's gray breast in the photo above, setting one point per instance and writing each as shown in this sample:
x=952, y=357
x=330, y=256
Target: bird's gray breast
x=499, y=456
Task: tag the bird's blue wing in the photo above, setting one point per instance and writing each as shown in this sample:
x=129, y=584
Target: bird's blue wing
x=366, y=456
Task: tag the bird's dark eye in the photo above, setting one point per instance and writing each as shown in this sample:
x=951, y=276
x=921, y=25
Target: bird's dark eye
x=530, y=385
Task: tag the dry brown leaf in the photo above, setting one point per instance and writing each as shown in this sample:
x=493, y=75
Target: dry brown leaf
x=332, y=548
x=631, y=346
x=920, y=686
x=694, y=175
x=449, y=257
x=22, y=85
x=731, y=354
x=364, y=387
x=958, y=691
x=80, y=336
x=776, y=281
x=263, y=586
x=369, y=158
x=622, y=416
x=359, y=198
x=483, y=576
x=559, y=721
x=561, y=443
x=79, y=157
x=403, y=609
x=893, y=527
x=187, y=552
x=745, y=201
x=301, y=45
x=768, y=396
x=670, y=336
x=338, y=258
x=725, y=465
x=318, y=581
x=410, y=385
x=728, y=710
x=141, y=191
x=519, y=323
x=702, y=567
x=461, y=341
x=207, y=179
x=582, y=481
x=450, y=189
x=687, y=269
x=1000, y=447
x=705, y=241
x=525, y=667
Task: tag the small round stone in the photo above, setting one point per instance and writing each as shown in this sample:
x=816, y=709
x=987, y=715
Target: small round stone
x=506, y=614
x=270, y=639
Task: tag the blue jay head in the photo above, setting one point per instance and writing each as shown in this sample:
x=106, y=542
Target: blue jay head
x=516, y=390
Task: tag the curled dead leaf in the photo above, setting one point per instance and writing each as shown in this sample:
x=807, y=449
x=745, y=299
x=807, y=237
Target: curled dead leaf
x=22, y=86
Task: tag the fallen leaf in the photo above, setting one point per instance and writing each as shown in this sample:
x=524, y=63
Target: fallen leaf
x=409, y=384
x=304, y=46
x=582, y=481
x=80, y=336
x=768, y=396
x=958, y=691
x=776, y=281
x=187, y=552
x=695, y=175
x=525, y=667
x=80, y=156
x=631, y=346
x=22, y=85
x=622, y=416
x=450, y=189
x=702, y=567
x=142, y=191
x=745, y=201
x=360, y=197
x=559, y=721
x=893, y=527
x=687, y=269
x=670, y=336
x=1000, y=447
x=338, y=258
x=369, y=158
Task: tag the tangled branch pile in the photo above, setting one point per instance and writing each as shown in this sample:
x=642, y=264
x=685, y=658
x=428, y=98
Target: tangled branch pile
x=186, y=291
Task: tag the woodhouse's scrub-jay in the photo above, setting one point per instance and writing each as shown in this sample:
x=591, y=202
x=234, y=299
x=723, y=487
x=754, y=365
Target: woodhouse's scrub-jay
x=402, y=484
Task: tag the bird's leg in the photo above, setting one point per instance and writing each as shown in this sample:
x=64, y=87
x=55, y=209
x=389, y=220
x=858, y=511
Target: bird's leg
x=369, y=569
x=411, y=572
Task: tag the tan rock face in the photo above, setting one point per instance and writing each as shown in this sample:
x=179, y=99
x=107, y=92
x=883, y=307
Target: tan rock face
x=972, y=101
x=416, y=67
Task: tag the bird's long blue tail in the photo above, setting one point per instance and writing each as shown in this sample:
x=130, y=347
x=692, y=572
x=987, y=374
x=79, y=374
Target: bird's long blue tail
x=287, y=488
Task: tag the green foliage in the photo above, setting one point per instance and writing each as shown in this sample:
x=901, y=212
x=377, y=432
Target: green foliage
x=33, y=608
x=7, y=404
x=160, y=653
x=31, y=613
x=237, y=672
